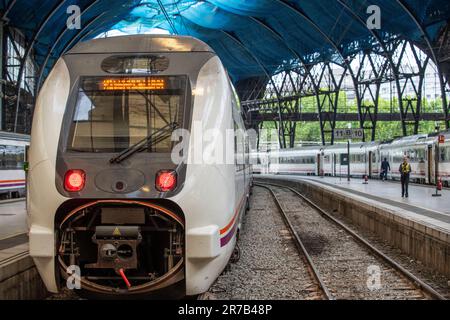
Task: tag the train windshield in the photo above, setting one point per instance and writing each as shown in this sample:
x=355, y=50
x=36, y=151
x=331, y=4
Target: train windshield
x=114, y=113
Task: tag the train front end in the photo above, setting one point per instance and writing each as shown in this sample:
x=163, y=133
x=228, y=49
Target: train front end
x=105, y=199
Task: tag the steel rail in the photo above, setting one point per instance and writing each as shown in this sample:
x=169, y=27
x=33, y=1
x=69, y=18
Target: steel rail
x=420, y=284
x=299, y=244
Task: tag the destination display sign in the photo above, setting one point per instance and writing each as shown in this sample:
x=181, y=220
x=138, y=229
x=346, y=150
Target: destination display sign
x=134, y=83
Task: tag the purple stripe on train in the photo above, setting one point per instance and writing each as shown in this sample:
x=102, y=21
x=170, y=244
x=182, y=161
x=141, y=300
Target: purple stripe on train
x=12, y=185
x=229, y=236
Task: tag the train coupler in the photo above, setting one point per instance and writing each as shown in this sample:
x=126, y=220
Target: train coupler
x=117, y=247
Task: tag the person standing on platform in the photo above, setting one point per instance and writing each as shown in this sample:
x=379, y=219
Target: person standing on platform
x=385, y=167
x=405, y=170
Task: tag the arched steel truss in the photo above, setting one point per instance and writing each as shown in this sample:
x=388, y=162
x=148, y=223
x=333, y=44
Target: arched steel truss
x=266, y=100
x=373, y=68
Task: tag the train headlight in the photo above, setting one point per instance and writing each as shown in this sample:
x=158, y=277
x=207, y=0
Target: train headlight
x=166, y=180
x=74, y=180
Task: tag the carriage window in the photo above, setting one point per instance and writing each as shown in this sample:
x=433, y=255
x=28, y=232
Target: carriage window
x=11, y=157
x=421, y=155
x=412, y=155
x=113, y=113
x=444, y=154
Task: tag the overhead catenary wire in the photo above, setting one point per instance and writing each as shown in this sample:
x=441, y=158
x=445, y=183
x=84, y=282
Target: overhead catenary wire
x=166, y=15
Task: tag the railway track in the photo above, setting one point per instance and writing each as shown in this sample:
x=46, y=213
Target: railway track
x=269, y=267
x=343, y=264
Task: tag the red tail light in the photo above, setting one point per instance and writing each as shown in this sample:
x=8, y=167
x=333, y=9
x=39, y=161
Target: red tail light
x=74, y=180
x=166, y=180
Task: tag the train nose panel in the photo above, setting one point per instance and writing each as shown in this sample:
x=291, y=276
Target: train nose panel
x=120, y=180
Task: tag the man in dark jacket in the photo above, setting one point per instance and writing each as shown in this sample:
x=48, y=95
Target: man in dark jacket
x=405, y=170
x=385, y=167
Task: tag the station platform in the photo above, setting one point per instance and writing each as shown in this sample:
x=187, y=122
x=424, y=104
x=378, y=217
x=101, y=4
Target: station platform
x=12, y=218
x=418, y=225
x=13, y=228
x=19, y=278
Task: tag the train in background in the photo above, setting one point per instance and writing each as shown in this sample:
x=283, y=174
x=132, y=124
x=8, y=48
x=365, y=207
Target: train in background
x=13, y=148
x=428, y=159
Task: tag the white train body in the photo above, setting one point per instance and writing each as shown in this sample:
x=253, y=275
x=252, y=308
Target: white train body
x=420, y=152
x=12, y=158
x=365, y=159
x=302, y=161
x=172, y=242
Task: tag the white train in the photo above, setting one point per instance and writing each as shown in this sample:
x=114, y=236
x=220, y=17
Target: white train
x=105, y=198
x=12, y=158
x=427, y=157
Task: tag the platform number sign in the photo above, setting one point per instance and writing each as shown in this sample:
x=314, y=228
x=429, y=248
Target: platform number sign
x=348, y=133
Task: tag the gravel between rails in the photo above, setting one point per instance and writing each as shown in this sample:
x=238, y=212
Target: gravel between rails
x=342, y=262
x=438, y=281
x=270, y=266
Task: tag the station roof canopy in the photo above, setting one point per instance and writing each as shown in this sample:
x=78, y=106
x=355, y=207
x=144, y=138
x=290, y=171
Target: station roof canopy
x=252, y=37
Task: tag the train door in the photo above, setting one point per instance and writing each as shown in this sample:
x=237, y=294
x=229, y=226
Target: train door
x=334, y=164
x=436, y=162
x=319, y=164
x=430, y=164
x=26, y=167
x=370, y=164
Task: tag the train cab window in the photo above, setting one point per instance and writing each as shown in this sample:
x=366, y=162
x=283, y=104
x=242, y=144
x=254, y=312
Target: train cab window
x=11, y=157
x=239, y=137
x=113, y=113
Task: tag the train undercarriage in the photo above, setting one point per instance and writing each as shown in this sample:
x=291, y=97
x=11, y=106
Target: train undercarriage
x=121, y=247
